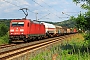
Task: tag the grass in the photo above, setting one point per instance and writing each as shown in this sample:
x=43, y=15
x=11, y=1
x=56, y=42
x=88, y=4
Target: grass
x=4, y=39
x=72, y=48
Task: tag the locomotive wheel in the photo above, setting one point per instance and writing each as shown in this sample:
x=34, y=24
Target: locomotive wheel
x=10, y=41
x=25, y=40
x=41, y=37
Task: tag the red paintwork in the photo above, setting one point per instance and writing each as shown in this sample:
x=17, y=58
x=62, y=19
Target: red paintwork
x=74, y=30
x=33, y=28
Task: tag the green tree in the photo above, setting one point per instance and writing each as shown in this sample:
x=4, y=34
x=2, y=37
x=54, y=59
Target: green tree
x=78, y=1
x=72, y=18
x=80, y=21
x=3, y=29
x=83, y=21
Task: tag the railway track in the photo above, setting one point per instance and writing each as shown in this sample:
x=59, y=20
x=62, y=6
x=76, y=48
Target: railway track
x=13, y=51
x=6, y=45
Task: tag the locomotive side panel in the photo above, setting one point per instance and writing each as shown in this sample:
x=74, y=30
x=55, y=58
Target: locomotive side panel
x=32, y=28
x=42, y=29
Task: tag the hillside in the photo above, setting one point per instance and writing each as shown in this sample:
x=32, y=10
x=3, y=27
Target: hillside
x=66, y=23
x=6, y=21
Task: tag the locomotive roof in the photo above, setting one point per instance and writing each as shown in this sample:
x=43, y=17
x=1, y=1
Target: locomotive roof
x=34, y=21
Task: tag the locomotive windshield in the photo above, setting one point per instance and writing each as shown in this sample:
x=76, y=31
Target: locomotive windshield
x=17, y=23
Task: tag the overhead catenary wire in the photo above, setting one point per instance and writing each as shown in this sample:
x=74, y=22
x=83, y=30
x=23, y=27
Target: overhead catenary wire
x=21, y=7
x=35, y=13
x=11, y=3
x=32, y=11
x=26, y=5
x=69, y=12
x=15, y=5
x=43, y=16
x=37, y=3
x=45, y=8
x=53, y=9
x=57, y=11
x=48, y=5
x=29, y=10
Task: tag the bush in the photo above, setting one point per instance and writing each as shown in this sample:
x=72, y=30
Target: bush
x=4, y=39
x=3, y=29
x=87, y=36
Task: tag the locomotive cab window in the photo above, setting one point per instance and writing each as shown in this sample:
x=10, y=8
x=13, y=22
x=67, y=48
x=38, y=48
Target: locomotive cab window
x=28, y=25
x=17, y=24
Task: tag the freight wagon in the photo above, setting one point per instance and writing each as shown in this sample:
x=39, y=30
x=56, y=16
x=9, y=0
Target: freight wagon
x=27, y=30
x=59, y=30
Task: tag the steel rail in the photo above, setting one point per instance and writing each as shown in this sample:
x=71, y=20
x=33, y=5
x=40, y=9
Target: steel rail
x=29, y=47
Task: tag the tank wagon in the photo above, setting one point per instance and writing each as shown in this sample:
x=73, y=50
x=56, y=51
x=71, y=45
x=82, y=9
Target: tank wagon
x=26, y=30
x=49, y=29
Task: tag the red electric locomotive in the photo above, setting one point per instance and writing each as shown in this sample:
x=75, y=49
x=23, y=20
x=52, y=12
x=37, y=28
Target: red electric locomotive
x=26, y=30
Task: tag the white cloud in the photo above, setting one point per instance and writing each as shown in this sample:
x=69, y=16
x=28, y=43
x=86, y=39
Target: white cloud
x=53, y=3
x=54, y=7
x=11, y=5
x=39, y=1
x=36, y=11
x=23, y=3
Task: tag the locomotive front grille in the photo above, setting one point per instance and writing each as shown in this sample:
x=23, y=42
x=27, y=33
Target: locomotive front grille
x=17, y=36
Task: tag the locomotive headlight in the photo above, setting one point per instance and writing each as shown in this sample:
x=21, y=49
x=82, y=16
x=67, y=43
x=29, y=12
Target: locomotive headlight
x=21, y=30
x=11, y=33
x=21, y=33
x=12, y=30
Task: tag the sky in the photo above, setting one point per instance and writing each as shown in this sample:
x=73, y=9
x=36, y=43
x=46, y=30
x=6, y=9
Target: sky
x=42, y=10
